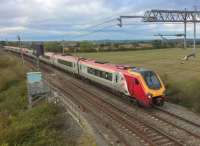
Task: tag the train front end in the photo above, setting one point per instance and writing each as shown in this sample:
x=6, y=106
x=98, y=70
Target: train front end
x=154, y=87
x=147, y=87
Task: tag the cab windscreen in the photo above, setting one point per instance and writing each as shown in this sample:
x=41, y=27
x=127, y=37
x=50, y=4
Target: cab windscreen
x=151, y=79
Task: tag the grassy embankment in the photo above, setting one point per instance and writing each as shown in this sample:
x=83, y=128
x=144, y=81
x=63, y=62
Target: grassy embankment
x=43, y=125
x=182, y=80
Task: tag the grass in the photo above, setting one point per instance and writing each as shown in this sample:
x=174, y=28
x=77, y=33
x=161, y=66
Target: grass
x=43, y=125
x=182, y=80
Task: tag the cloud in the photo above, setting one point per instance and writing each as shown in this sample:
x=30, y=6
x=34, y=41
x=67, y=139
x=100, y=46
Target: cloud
x=58, y=18
x=9, y=30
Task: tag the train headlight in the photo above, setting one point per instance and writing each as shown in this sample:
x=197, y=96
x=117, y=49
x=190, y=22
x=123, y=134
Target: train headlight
x=149, y=95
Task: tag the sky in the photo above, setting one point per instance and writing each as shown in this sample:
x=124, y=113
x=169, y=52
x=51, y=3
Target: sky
x=86, y=19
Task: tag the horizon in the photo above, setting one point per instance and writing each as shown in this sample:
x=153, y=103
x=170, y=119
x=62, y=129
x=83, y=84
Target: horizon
x=137, y=40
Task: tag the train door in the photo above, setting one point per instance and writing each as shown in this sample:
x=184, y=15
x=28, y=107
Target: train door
x=116, y=81
x=74, y=67
x=120, y=83
x=53, y=59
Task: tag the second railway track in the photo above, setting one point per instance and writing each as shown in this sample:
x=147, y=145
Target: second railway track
x=149, y=135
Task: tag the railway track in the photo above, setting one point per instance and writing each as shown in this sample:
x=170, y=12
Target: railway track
x=148, y=134
x=154, y=115
x=177, y=117
x=161, y=119
x=84, y=105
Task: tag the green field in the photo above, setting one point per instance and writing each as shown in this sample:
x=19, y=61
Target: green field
x=43, y=125
x=182, y=80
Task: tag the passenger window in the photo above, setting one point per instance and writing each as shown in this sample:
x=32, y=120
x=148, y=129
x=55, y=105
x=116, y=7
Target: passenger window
x=116, y=78
x=106, y=75
x=137, y=82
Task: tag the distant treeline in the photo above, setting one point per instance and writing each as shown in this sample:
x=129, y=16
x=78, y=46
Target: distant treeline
x=101, y=46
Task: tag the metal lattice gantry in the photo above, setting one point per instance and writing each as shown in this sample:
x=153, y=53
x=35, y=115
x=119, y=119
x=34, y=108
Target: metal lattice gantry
x=174, y=16
x=171, y=16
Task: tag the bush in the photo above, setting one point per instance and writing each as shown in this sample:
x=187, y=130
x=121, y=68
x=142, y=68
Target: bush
x=10, y=73
x=87, y=46
x=180, y=94
x=53, y=46
x=187, y=96
x=40, y=126
x=35, y=127
x=157, y=44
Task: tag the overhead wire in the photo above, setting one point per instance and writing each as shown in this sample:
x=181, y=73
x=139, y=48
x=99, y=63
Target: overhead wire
x=94, y=31
x=99, y=24
x=118, y=30
x=104, y=29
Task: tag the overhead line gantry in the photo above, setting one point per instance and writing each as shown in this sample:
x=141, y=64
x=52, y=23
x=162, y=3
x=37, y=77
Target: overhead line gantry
x=171, y=16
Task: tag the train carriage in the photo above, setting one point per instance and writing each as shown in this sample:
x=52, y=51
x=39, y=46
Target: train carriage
x=29, y=53
x=48, y=58
x=96, y=72
x=12, y=49
x=67, y=62
x=142, y=84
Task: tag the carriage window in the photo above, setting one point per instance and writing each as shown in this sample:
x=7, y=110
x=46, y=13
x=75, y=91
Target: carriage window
x=103, y=75
x=99, y=73
x=47, y=57
x=67, y=63
x=116, y=79
x=109, y=76
x=90, y=70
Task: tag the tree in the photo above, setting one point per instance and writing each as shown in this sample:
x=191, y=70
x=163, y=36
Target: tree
x=3, y=43
x=87, y=46
x=53, y=46
x=157, y=44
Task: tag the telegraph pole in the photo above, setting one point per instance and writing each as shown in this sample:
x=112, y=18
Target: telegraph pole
x=165, y=39
x=63, y=49
x=20, y=48
x=194, y=41
x=185, y=31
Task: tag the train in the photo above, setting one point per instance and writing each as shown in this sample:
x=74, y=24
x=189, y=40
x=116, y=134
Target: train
x=143, y=85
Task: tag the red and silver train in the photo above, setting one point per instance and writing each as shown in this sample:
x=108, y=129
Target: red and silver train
x=143, y=85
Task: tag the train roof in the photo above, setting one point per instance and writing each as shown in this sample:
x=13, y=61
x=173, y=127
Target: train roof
x=126, y=68
x=92, y=62
x=104, y=65
x=108, y=66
